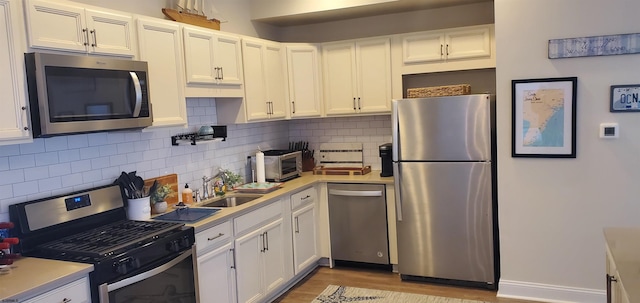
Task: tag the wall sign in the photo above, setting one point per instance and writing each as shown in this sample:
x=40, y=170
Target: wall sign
x=594, y=46
x=624, y=98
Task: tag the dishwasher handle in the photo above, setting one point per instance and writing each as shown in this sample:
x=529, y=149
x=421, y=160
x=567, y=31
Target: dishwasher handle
x=356, y=193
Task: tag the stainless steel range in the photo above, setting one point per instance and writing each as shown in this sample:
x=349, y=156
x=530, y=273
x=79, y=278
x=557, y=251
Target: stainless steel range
x=132, y=260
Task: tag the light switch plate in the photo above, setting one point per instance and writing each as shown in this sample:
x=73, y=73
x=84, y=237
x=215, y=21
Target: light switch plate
x=609, y=130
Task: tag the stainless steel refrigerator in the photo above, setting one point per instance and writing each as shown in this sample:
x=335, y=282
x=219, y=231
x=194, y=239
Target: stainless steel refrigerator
x=444, y=187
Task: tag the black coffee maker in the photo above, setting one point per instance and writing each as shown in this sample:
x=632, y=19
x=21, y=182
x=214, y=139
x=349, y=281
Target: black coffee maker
x=386, y=157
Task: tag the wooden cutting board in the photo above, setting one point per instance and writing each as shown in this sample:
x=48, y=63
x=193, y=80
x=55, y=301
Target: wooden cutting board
x=172, y=180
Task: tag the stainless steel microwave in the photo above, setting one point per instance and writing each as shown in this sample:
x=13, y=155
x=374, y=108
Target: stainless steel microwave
x=80, y=94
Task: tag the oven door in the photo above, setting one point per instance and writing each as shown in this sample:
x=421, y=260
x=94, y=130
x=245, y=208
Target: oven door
x=174, y=281
x=290, y=166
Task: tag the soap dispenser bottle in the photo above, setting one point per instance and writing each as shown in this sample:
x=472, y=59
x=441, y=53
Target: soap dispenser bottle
x=187, y=194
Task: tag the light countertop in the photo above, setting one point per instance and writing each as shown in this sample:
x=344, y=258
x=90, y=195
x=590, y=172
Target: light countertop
x=624, y=244
x=32, y=276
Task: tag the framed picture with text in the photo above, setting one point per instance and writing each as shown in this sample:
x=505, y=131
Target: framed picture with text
x=544, y=117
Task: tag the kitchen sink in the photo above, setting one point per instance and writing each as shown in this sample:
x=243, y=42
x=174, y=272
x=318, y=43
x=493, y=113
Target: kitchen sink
x=230, y=201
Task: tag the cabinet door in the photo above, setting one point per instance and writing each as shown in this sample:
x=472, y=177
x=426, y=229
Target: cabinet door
x=468, y=43
x=160, y=45
x=76, y=291
x=305, y=243
x=110, y=33
x=216, y=275
x=304, y=81
x=228, y=57
x=254, y=82
x=13, y=117
x=373, y=59
x=427, y=47
x=249, y=251
x=339, y=70
x=274, y=77
x=56, y=26
x=274, y=256
x=198, y=57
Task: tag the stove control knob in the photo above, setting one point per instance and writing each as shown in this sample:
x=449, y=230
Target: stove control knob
x=173, y=246
x=134, y=263
x=185, y=242
x=120, y=267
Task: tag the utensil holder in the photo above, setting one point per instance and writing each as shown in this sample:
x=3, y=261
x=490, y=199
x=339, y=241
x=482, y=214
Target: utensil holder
x=139, y=209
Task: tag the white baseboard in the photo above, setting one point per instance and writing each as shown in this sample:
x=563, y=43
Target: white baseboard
x=548, y=293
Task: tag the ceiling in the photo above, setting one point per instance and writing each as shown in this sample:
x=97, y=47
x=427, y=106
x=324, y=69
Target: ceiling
x=397, y=6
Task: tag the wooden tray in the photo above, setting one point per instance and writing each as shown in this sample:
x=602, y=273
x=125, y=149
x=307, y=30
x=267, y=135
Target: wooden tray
x=346, y=171
x=172, y=180
x=257, y=188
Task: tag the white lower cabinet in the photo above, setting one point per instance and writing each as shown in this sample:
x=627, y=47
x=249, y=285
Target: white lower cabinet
x=305, y=231
x=260, y=261
x=76, y=292
x=216, y=275
x=216, y=264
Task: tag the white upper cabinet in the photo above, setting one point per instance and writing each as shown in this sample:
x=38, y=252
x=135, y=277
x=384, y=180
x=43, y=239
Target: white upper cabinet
x=264, y=79
x=14, y=126
x=304, y=76
x=213, y=63
x=160, y=44
x=357, y=76
x=62, y=26
x=451, y=49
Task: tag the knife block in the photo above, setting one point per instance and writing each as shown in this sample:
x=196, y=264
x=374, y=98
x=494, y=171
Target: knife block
x=308, y=164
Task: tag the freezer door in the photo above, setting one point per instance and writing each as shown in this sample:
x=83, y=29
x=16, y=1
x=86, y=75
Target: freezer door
x=455, y=128
x=446, y=228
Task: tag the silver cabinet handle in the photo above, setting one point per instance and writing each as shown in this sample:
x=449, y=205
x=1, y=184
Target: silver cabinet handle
x=95, y=39
x=66, y=300
x=297, y=226
x=263, y=245
x=305, y=198
x=86, y=36
x=266, y=236
x=217, y=69
x=356, y=193
x=215, y=237
x=441, y=52
x=359, y=103
x=221, y=73
x=233, y=258
x=293, y=103
x=354, y=103
x=447, y=49
x=138, y=88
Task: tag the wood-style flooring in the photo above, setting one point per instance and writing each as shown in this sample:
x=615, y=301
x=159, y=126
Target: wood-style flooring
x=312, y=285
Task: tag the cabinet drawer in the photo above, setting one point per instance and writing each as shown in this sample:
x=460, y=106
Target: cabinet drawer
x=304, y=197
x=76, y=292
x=258, y=216
x=213, y=236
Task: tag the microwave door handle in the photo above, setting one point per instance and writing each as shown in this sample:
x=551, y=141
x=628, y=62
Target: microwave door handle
x=138, y=88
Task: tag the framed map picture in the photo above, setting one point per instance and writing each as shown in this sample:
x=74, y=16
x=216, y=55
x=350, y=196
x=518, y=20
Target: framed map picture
x=544, y=117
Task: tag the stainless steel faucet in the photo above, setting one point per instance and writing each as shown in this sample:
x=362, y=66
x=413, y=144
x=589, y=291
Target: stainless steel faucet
x=206, y=180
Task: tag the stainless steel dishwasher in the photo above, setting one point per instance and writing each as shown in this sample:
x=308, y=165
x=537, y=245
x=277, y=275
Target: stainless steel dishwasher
x=358, y=223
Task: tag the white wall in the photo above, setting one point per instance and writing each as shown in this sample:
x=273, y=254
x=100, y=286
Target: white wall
x=552, y=211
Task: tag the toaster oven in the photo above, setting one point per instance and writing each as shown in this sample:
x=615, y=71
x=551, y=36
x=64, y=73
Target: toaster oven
x=280, y=165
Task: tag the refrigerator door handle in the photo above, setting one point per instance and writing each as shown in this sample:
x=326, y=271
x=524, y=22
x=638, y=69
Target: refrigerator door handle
x=396, y=185
x=355, y=193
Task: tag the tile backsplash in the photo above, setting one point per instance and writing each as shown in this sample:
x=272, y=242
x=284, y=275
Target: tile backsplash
x=59, y=165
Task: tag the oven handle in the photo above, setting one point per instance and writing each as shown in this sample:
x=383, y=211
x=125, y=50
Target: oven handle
x=106, y=288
